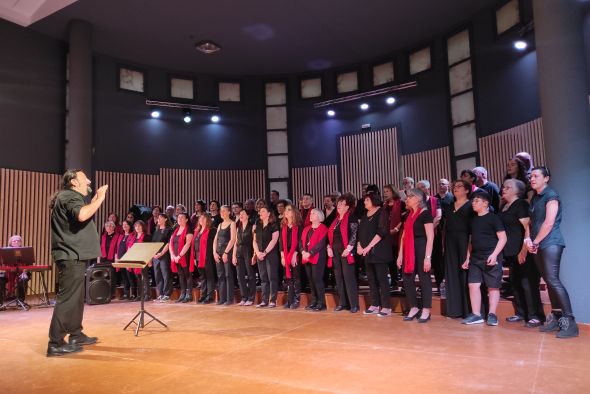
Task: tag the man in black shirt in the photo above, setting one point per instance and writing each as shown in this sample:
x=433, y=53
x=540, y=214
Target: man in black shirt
x=484, y=258
x=74, y=241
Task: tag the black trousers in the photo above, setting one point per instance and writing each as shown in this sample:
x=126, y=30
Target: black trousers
x=246, y=278
x=525, y=279
x=225, y=281
x=424, y=277
x=378, y=284
x=346, y=285
x=163, y=276
x=269, y=277
x=548, y=261
x=185, y=279
x=208, y=281
x=294, y=284
x=2, y=289
x=69, y=306
x=315, y=273
x=437, y=261
x=129, y=282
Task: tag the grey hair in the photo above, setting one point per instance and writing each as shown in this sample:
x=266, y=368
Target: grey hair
x=425, y=183
x=319, y=213
x=518, y=185
x=421, y=196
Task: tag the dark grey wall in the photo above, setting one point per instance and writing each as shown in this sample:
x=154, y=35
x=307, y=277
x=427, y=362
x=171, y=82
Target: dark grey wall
x=32, y=100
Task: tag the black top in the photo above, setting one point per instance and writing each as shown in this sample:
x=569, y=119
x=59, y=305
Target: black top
x=264, y=236
x=423, y=218
x=353, y=226
x=330, y=218
x=519, y=209
x=290, y=238
x=107, y=245
x=162, y=235
x=123, y=245
x=458, y=221
x=538, y=212
x=445, y=201
x=429, y=207
x=377, y=224
x=174, y=237
x=216, y=220
x=483, y=235
x=318, y=247
x=244, y=241
x=494, y=191
x=70, y=238
x=223, y=238
x=197, y=244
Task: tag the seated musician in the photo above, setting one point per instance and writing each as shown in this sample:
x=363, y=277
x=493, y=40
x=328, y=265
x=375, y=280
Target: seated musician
x=8, y=279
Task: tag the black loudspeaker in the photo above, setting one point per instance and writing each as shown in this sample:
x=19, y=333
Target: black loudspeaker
x=98, y=285
x=141, y=212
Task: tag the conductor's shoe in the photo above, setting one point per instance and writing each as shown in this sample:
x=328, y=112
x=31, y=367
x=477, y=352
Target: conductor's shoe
x=83, y=340
x=63, y=349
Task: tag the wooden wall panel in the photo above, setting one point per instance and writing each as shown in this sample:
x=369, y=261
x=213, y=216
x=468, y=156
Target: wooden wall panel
x=431, y=165
x=319, y=181
x=369, y=158
x=24, y=210
x=497, y=149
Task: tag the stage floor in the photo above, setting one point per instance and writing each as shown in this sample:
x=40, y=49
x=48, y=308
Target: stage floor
x=210, y=348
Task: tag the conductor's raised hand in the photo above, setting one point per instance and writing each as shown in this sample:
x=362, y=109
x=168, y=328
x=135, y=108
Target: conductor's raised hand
x=100, y=193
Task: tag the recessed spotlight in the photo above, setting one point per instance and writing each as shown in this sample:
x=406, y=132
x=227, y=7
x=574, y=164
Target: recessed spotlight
x=364, y=106
x=521, y=45
x=331, y=113
x=215, y=119
x=207, y=47
x=155, y=114
x=390, y=100
x=186, y=115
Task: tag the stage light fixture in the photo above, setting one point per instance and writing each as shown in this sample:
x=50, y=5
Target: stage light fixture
x=331, y=113
x=364, y=106
x=155, y=114
x=520, y=45
x=390, y=100
x=215, y=119
x=186, y=115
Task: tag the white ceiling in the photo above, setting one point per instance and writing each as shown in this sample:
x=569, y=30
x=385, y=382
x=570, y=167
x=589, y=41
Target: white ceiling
x=26, y=12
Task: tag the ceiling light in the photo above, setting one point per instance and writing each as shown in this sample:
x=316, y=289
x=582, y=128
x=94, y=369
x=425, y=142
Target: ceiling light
x=155, y=114
x=364, y=106
x=186, y=115
x=331, y=113
x=521, y=45
x=215, y=119
x=390, y=100
x=207, y=47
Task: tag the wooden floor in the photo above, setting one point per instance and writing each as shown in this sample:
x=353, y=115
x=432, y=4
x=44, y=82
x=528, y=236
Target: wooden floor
x=216, y=349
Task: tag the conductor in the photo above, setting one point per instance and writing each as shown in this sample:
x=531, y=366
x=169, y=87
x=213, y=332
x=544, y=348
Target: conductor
x=74, y=241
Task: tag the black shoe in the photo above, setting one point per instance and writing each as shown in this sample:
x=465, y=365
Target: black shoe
x=61, y=350
x=207, y=300
x=420, y=320
x=201, y=299
x=552, y=323
x=310, y=306
x=338, y=308
x=354, y=309
x=294, y=305
x=319, y=307
x=287, y=305
x=514, y=319
x=567, y=328
x=82, y=340
x=410, y=318
x=181, y=298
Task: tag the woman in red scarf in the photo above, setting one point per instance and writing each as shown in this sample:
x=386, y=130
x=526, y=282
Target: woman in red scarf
x=125, y=242
x=342, y=238
x=395, y=208
x=314, y=256
x=202, y=256
x=140, y=236
x=180, y=244
x=415, y=254
x=291, y=229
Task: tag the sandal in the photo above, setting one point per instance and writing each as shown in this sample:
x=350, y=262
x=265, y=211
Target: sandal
x=533, y=323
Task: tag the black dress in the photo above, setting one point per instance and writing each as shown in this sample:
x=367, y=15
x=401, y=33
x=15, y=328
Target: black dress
x=457, y=230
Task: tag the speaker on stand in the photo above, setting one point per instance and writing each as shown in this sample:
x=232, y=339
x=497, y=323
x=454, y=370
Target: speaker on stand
x=98, y=285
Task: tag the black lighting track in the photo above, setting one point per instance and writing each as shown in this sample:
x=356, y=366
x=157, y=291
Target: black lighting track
x=370, y=93
x=171, y=104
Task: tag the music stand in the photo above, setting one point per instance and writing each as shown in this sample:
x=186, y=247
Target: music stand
x=16, y=257
x=139, y=256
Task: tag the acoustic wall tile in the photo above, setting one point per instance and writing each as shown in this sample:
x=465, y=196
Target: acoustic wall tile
x=276, y=93
x=229, y=91
x=420, y=61
x=278, y=167
x=347, y=82
x=276, y=142
x=383, y=73
x=467, y=163
x=460, y=78
x=507, y=16
x=281, y=186
x=276, y=118
x=131, y=80
x=181, y=88
x=464, y=139
x=458, y=47
x=311, y=88
x=462, y=108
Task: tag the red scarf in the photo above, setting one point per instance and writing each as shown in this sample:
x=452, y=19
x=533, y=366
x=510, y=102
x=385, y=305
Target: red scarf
x=307, y=216
x=344, y=232
x=409, y=257
x=181, y=242
x=137, y=240
x=110, y=256
x=288, y=254
x=316, y=237
x=202, y=251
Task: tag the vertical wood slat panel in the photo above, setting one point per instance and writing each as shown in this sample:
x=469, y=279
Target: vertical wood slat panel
x=369, y=158
x=319, y=181
x=497, y=149
x=431, y=165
